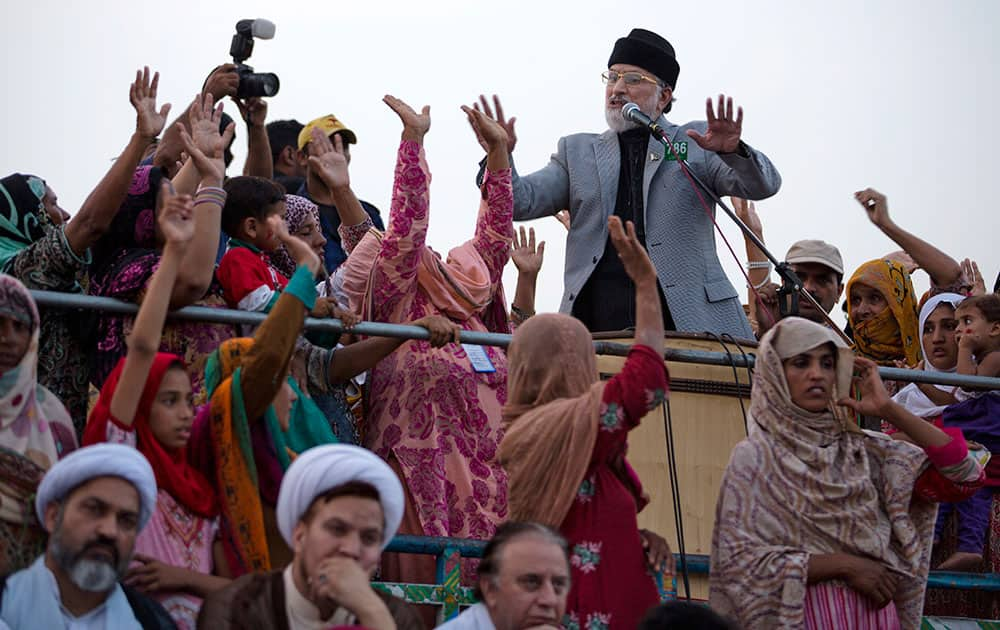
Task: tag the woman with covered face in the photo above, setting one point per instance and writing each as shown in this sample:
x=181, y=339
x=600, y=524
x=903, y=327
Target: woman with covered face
x=820, y=524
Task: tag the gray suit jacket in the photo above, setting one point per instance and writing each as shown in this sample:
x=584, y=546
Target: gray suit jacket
x=583, y=177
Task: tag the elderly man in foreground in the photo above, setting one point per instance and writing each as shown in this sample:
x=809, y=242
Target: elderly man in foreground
x=94, y=502
x=338, y=507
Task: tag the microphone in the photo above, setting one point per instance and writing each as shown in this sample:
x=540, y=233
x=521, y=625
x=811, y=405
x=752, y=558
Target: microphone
x=632, y=113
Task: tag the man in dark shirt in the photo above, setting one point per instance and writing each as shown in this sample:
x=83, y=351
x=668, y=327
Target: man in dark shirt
x=316, y=191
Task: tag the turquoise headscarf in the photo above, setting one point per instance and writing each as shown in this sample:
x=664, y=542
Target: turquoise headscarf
x=23, y=219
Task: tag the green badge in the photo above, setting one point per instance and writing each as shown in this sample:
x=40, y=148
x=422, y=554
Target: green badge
x=680, y=150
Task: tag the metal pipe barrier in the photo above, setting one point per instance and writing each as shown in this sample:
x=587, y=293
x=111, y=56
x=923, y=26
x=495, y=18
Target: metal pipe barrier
x=55, y=299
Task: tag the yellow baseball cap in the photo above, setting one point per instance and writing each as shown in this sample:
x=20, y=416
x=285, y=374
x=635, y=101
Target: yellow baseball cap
x=330, y=125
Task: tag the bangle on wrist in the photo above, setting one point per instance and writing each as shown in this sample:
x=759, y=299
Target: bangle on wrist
x=759, y=264
x=763, y=283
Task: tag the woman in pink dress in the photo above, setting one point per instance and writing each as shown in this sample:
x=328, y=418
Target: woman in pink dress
x=820, y=524
x=435, y=412
x=565, y=449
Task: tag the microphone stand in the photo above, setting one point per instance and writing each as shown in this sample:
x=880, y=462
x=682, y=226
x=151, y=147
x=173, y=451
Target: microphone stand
x=791, y=285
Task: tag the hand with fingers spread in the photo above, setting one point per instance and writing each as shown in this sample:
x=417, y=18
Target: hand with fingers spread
x=222, y=81
x=253, y=110
x=483, y=106
x=175, y=217
x=415, y=126
x=204, y=144
x=142, y=94
x=525, y=255
x=442, y=330
x=724, y=130
x=972, y=279
x=329, y=160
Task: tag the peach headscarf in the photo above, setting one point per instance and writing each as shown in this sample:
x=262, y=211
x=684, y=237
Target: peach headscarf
x=551, y=416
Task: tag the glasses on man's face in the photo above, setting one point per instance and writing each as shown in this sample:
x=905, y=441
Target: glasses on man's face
x=631, y=78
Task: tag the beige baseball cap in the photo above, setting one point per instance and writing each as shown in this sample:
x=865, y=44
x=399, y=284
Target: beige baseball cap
x=816, y=251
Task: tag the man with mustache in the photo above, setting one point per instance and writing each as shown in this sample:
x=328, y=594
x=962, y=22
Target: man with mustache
x=625, y=172
x=93, y=503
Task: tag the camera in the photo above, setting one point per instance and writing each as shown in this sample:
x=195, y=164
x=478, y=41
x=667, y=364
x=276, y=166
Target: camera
x=252, y=83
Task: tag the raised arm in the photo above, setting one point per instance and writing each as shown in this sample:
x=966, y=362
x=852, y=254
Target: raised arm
x=328, y=161
x=733, y=167
x=528, y=259
x=266, y=365
x=942, y=268
x=206, y=147
x=494, y=227
x=406, y=235
x=254, y=113
x=100, y=207
x=177, y=226
x=638, y=266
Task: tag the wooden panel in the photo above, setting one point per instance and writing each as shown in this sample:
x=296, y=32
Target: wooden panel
x=706, y=427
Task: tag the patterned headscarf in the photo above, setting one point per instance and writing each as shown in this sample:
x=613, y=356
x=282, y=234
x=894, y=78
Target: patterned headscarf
x=298, y=210
x=810, y=483
x=33, y=422
x=22, y=215
x=893, y=333
x=134, y=226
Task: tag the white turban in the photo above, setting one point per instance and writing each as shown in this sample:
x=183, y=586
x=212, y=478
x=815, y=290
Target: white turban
x=99, y=460
x=323, y=468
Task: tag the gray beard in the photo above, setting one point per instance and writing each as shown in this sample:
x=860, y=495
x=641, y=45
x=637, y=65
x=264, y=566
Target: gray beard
x=616, y=122
x=93, y=576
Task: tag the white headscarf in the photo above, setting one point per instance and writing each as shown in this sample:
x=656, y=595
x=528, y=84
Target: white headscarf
x=100, y=460
x=910, y=397
x=323, y=468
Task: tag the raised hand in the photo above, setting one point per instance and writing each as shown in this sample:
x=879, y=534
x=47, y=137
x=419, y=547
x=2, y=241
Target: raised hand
x=526, y=257
x=490, y=133
x=747, y=213
x=415, y=125
x=875, y=204
x=204, y=144
x=175, y=216
x=633, y=255
x=723, y=134
x=253, y=110
x=222, y=81
x=327, y=159
x=508, y=125
x=142, y=94
x=972, y=278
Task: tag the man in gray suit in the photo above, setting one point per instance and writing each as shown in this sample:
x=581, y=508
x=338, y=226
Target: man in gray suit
x=626, y=172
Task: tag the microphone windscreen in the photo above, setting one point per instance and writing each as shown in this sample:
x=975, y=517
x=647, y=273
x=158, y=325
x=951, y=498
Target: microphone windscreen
x=263, y=29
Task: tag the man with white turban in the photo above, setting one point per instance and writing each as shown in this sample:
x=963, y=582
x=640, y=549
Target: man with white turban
x=93, y=502
x=338, y=508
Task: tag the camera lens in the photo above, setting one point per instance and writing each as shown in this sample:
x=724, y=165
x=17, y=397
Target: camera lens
x=258, y=84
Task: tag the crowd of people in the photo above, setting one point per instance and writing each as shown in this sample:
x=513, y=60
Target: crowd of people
x=164, y=473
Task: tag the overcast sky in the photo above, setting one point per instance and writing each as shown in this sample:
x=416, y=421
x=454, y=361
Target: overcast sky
x=842, y=95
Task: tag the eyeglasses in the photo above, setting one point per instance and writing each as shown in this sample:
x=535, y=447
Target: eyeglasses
x=631, y=78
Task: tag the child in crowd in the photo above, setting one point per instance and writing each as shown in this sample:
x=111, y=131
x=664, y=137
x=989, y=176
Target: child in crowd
x=978, y=415
x=146, y=403
x=250, y=282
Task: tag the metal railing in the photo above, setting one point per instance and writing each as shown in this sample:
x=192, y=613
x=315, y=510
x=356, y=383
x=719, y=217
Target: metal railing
x=54, y=299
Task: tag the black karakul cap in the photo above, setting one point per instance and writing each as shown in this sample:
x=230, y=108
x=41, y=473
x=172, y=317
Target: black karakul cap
x=649, y=51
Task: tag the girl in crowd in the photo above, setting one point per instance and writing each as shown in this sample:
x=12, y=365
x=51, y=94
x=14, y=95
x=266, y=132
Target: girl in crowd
x=146, y=403
x=435, y=414
x=820, y=524
x=565, y=442
x=35, y=428
x=125, y=258
x=47, y=250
